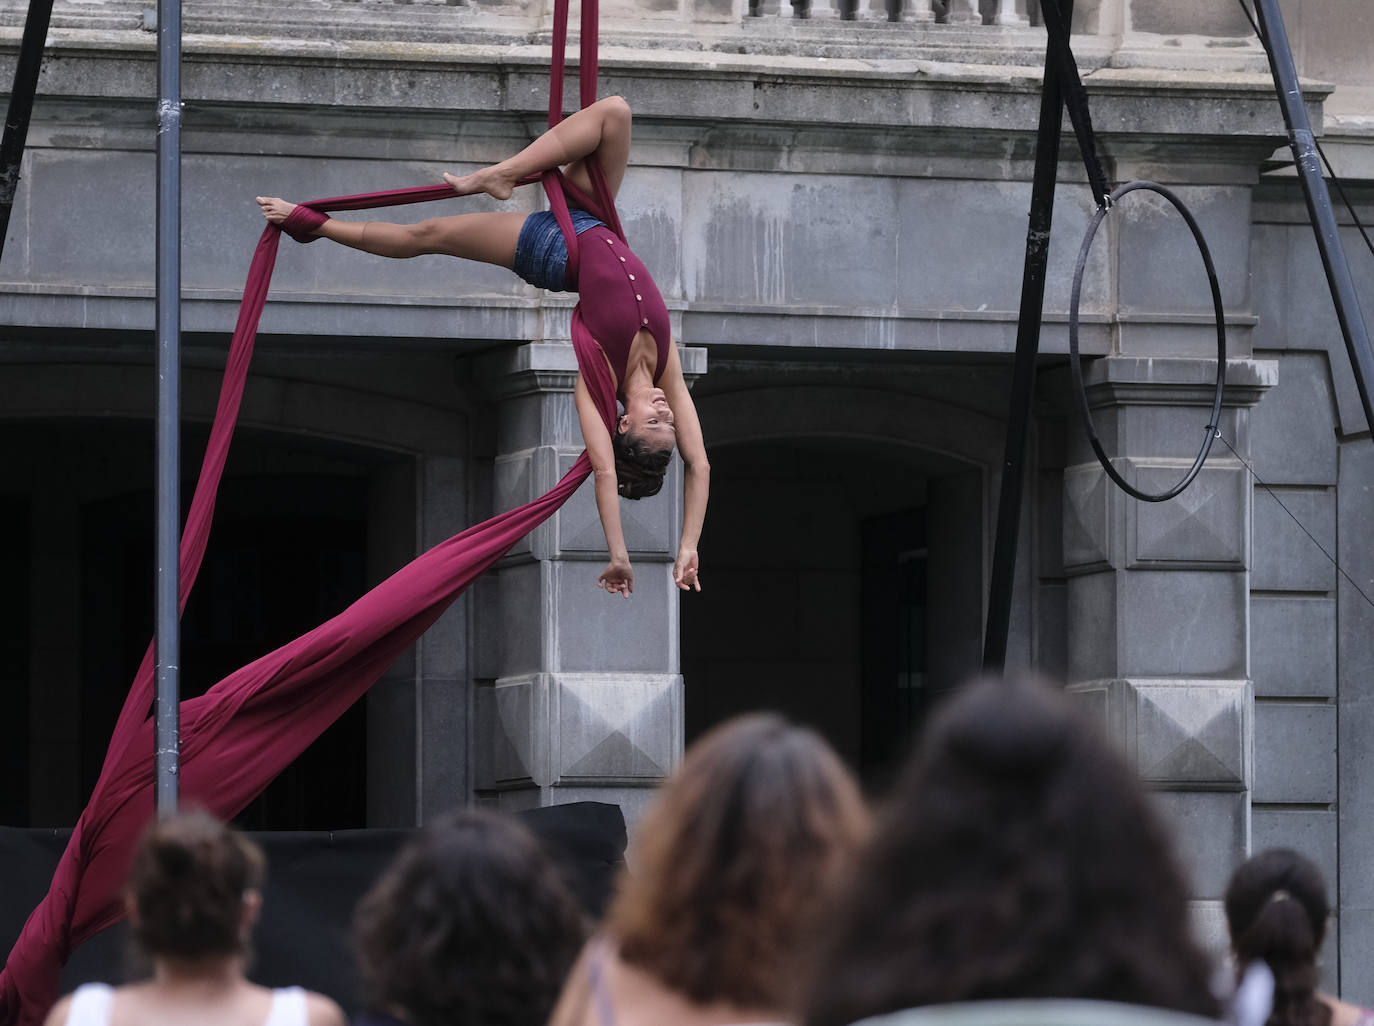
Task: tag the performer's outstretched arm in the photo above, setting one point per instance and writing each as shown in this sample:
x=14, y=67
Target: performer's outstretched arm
x=619, y=576
x=696, y=482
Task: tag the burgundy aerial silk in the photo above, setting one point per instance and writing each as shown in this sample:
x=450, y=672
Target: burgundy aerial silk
x=247, y=728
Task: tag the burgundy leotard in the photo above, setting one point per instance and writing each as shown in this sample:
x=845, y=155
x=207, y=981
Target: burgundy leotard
x=618, y=299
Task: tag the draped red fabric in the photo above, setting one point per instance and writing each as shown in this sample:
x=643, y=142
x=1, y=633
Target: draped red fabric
x=247, y=728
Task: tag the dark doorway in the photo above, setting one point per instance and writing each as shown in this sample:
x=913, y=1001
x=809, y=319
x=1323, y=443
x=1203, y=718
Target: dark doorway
x=14, y=662
x=285, y=555
x=846, y=588
x=895, y=697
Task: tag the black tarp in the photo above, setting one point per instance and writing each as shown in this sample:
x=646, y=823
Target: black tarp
x=314, y=879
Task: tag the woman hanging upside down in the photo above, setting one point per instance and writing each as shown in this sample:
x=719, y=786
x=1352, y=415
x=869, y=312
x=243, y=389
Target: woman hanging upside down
x=620, y=306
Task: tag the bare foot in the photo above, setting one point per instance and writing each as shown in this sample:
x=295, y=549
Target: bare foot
x=275, y=210
x=491, y=180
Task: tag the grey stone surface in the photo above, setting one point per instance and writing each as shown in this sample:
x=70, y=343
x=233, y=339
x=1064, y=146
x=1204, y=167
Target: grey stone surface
x=1293, y=646
x=444, y=779
x=1090, y=502
x=1211, y=832
x=597, y=630
x=1208, y=920
x=1159, y=266
x=1095, y=626
x=1155, y=409
x=1204, y=525
x=1307, y=319
x=1356, y=938
x=650, y=525
x=1295, y=752
x=1170, y=623
x=1192, y=733
x=616, y=729
x=544, y=732
x=521, y=634
x=1291, y=430
x=1286, y=559
x=1312, y=831
x=393, y=742
x=1356, y=669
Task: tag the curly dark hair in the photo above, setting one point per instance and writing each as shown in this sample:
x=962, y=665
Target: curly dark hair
x=189, y=877
x=1276, y=910
x=757, y=823
x=1017, y=858
x=639, y=469
x=471, y=923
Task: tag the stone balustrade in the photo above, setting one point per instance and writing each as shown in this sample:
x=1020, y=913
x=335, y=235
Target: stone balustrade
x=1165, y=33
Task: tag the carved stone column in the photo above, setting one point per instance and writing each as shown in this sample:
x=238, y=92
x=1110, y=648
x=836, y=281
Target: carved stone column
x=917, y=11
x=964, y=12
x=579, y=695
x=1010, y=12
x=1158, y=598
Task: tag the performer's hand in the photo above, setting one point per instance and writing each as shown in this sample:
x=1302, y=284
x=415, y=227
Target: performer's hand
x=686, y=574
x=617, y=578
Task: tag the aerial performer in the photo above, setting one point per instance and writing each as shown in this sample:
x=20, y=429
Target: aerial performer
x=620, y=308
x=248, y=727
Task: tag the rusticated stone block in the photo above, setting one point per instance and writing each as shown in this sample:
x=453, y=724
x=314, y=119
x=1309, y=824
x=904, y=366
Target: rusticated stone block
x=1179, y=734
x=584, y=730
x=1293, y=646
x=1295, y=752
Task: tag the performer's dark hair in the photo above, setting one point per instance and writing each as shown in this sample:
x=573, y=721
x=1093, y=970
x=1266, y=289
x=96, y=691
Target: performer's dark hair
x=188, y=880
x=471, y=923
x=1018, y=858
x=1276, y=909
x=639, y=469
x=758, y=822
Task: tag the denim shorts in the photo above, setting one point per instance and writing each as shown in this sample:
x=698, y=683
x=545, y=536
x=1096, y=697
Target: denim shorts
x=541, y=254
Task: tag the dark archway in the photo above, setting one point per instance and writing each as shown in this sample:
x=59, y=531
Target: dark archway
x=288, y=550
x=846, y=585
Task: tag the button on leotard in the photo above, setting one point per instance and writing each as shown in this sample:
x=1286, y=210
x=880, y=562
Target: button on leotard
x=618, y=297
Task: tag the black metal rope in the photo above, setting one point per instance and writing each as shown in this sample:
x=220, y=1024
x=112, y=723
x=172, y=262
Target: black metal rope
x=1330, y=171
x=1075, y=364
x=1075, y=97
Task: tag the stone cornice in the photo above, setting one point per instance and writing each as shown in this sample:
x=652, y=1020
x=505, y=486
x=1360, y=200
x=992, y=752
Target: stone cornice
x=1175, y=381
x=402, y=81
x=551, y=367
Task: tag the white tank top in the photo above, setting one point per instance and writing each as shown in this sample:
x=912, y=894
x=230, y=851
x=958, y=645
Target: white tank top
x=92, y=1002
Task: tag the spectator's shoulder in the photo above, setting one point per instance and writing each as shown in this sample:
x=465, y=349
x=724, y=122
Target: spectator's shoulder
x=319, y=1011
x=57, y=1016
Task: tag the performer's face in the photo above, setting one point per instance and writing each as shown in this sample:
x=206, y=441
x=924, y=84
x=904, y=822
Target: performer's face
x=649, y=418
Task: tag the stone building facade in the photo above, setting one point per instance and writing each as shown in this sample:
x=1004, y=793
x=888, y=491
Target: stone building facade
x=834, y=208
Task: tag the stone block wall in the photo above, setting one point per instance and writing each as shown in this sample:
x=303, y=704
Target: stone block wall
x=1310, y=655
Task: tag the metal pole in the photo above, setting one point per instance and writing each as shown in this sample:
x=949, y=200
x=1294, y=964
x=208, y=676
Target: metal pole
x=168, y=722
x=1023, y=372
x=1318, y=199
x=26, y=70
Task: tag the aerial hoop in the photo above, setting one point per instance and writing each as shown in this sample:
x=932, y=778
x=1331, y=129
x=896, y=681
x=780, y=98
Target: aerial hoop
x=1076, y=366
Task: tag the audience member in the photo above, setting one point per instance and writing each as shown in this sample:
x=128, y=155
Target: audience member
x=728, y=869
x=471, y=925
x=193, y=899
x=1276, y=909
x=1017, y=858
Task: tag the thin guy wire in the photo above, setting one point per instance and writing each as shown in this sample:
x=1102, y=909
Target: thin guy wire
x=1331, y=171
x=1304, y=530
